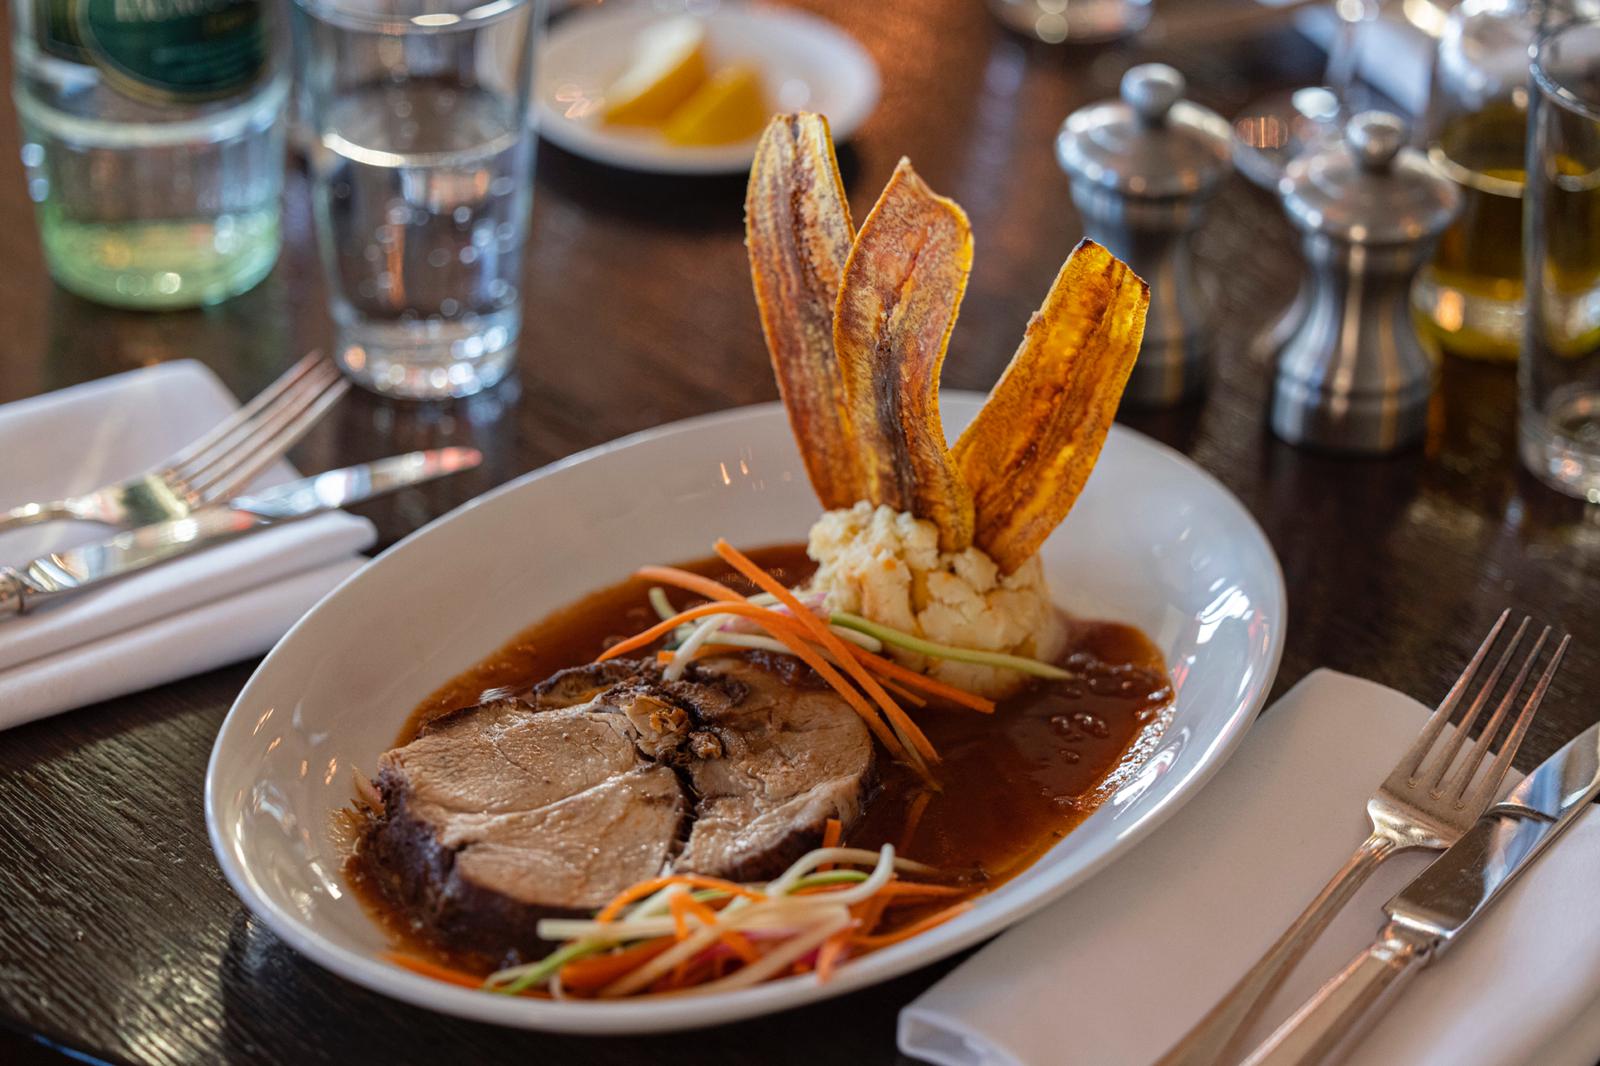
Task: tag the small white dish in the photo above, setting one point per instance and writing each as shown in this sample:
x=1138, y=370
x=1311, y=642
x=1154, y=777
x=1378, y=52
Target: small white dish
x=1153, y=541
x=806, y=64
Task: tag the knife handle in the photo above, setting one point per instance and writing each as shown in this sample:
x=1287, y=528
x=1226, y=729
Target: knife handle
x=1217, y=1038
x=1330, y=1024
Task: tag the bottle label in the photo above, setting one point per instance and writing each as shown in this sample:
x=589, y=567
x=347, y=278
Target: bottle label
x=163, y=50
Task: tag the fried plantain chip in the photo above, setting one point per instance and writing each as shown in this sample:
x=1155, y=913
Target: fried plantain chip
x=798, y=233
x=902, y=288
x=1030, y=450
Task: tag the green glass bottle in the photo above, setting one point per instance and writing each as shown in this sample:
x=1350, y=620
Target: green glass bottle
x=153, y=144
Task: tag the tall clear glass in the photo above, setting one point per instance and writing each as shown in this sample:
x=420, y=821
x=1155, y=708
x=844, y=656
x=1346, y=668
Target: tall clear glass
x=1560, y=363
x=422, y=170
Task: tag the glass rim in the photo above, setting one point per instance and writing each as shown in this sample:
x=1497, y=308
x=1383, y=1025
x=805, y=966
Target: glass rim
x=341, y=14
x=1547, y=83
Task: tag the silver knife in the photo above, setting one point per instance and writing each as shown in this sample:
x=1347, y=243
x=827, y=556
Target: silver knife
x=1430, y=913
x=75, y=569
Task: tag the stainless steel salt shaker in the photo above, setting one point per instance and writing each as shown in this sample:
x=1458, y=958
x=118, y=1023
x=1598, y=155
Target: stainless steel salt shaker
x=1143, y=168
x=1352, y=375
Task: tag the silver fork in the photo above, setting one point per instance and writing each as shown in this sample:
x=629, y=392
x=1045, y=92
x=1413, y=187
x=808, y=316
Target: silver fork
x=213, y=468
x=1424, y=803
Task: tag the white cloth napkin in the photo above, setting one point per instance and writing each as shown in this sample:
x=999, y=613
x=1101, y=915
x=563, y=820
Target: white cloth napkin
x=181, y=618
x=1118, y=970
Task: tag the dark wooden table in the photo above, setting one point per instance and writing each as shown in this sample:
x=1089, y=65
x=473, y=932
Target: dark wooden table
x=119, y=939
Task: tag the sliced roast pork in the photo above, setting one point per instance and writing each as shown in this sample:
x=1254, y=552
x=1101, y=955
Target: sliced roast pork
x=793, y=757
x=603, y=776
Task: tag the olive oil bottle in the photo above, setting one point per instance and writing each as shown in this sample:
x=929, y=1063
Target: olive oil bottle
x=1469, y=300
x=1470, y=296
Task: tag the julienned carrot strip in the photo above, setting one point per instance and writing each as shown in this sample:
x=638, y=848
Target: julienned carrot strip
x=903, y=694
x=680, y=915
x=589, y=975
x=710, y=647
x=661, y=629
x=706, y=650
x=882, y=665
x=434, y=970
x=832, y=833
x=914, y=818
x=786, y=629
x=831, y=953
x=909, y=890
x=825, y=636
x=683, y=579
x=885, y=666
x=869, y=913
x=656, y=884
x=684, y=905
x=883, y=940
x=740, y=944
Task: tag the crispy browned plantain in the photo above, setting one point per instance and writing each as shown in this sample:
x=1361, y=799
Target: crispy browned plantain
x=798, y=232
x=1028, y=453
x=902, y=288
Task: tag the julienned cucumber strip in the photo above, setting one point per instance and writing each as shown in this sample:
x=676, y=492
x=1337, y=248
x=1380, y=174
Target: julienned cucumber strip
x=523, y=978
x=943, y=651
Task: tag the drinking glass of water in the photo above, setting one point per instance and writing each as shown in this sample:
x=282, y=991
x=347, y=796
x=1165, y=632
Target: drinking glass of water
x=1560, y=365
x=421, y=165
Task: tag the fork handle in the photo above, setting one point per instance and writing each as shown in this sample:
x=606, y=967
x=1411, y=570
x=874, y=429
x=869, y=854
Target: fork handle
x=1216, y=1038
x=1333, y=1021
x=33, y=513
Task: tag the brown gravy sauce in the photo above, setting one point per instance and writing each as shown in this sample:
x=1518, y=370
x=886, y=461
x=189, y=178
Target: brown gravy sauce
x=1014, y=782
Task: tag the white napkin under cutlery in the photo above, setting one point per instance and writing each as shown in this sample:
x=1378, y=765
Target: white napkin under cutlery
x=184, y=617
x=1118, y=970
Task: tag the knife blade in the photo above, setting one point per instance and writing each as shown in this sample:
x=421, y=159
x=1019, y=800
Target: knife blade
x=336, y=488
x=1440, y=904
x=75, y=569
x=1445, y=898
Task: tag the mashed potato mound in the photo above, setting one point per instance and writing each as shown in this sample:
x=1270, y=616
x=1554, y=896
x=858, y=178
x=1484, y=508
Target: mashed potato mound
x=886, y=565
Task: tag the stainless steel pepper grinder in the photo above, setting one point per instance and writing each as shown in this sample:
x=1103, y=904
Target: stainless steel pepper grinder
x=1143, y=169
x=1352, y=375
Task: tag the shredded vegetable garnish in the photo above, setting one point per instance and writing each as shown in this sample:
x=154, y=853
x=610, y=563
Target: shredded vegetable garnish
x=792, y=634
x=944, y=651
x=843, y=649
x=683, y=934
x=904, y=728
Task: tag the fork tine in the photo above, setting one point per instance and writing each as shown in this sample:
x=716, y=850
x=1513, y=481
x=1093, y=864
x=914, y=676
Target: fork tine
x=1441, y=715
x=1490, y=785
x=270, y=394
x=222, y=461
x=230, y=485
x=1459, y=737
x=291, y=395
x=1462, y=778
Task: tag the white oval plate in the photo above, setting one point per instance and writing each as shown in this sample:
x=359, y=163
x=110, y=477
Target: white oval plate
x=806, y=64
x=1153, y=541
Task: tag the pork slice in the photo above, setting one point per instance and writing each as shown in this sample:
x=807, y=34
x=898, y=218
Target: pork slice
x=494, y=817
x=508, y=756
x=791, y=758
x=483, y=881
x=524, y=808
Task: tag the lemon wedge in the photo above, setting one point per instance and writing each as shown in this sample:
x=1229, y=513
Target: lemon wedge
x=669, y=65
x=730, y=107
